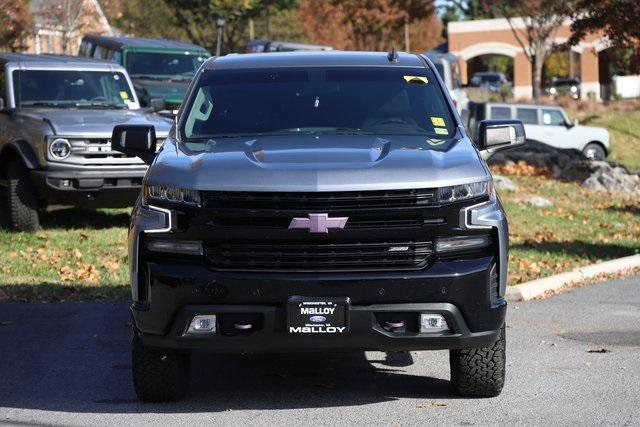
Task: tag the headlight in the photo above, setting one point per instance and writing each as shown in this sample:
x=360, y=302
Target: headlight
x=59, y=149
x=552, y=91
x=464, y=191
x=171, y=194
x=574, y=89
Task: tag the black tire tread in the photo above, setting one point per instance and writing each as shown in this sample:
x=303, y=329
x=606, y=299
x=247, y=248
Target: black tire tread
x=479, y=372
x=158, y=376
x=22, y=202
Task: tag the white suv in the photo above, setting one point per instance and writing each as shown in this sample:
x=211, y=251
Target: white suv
x=547, y=124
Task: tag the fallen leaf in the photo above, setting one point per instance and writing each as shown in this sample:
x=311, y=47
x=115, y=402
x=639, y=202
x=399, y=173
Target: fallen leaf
x=599, y=350
x=84, y=236
x=427, y=405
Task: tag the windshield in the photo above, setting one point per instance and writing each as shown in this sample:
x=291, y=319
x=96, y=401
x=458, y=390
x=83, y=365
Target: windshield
x=164, y=65
x=71, y=89
x=347, y=100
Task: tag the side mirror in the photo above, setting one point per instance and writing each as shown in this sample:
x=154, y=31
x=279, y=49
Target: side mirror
x=135, y=140
x=497, y=134
x=157, y=104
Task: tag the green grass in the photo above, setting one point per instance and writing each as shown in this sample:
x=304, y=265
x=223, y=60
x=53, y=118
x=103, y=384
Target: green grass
x=581, y=228
x=625, y=133
x=77, y=254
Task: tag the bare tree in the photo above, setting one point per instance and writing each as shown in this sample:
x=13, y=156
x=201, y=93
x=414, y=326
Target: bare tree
x=64, y=16
x=535, y=24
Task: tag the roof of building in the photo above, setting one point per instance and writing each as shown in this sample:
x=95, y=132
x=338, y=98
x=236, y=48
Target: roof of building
x=139, y=42
x=55, y=60
x=312, y=59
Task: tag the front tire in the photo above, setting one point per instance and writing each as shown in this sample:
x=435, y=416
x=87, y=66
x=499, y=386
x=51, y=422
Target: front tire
x=479, y=372
x=594, y=151
x=22, y=202
x=158, y=376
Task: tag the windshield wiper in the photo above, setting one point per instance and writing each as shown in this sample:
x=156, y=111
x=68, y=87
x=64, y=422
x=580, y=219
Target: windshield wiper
x=101, y=105
x=45, y=104
x=150, y=77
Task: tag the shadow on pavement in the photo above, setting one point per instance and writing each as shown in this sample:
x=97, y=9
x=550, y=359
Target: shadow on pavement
x=74, y=357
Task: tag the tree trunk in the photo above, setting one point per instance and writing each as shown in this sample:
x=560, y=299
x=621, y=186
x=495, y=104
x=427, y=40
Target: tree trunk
x=538, y=63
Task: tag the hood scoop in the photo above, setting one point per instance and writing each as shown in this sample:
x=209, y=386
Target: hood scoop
x=316, y=151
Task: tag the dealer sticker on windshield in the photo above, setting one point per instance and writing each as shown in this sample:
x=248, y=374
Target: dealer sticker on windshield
x=309, y=315
x=438, y=121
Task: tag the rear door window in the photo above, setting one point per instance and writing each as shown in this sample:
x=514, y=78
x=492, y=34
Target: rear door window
x=529, y=116
x=501, y=113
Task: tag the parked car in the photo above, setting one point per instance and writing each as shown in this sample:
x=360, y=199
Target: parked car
x=564, y=86
x=547, y=124
x=263, y=46
x=325, y=201
x=448, y=67
x=489, y=79
x=159, y=68
x=56, y=118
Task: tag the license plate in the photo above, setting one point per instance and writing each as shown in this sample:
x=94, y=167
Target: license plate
x=309, y=315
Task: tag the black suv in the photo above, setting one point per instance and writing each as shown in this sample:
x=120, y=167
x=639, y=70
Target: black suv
x=318, y=201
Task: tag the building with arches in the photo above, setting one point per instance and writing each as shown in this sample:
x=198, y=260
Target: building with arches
x=473, y=39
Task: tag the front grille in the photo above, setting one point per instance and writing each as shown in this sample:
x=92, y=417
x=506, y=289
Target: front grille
x=323, y=201
x=313, y=257
x=266, y=222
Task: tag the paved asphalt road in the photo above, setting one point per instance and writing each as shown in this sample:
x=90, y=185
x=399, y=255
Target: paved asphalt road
x=68, y=363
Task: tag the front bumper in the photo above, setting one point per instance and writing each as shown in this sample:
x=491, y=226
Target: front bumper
x=93, y=188
x=365, y=333
x=460, y=290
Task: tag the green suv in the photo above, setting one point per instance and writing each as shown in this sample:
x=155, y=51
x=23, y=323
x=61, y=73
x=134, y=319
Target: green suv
x=159, y=69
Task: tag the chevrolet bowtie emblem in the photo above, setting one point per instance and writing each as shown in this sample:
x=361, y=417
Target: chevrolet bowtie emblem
x=318, y=223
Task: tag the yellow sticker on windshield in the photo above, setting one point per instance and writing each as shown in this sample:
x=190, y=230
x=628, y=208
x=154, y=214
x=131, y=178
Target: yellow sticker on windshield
x=416, y=79
x=438, y=121
x=435, y=141
x=124, y=94
x=441, y=131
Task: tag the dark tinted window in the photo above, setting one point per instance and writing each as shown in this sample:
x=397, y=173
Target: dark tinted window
x=529, y=116
x=53, y=88
x=163, y=64
x=318, y=100
x=500, y=113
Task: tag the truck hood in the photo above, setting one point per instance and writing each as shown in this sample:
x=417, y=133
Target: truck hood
x=97, y=123
x=318, y=163
x=172, y=91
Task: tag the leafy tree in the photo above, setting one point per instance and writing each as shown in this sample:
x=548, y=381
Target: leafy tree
x=363, y=24
x=534, y=24
x=132, y=17
x=198, y=19
x=16, y=24
x=618, y=19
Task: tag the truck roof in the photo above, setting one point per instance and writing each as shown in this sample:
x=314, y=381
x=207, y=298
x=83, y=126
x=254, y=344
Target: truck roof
x=56, y=61
x=139, y=42
x=312, y=59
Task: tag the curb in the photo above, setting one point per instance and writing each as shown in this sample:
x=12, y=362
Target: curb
x=537, y=288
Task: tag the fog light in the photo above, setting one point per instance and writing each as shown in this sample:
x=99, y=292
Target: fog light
x=203, y=324
x=433, y=323
x=461, y=243
x=186, y=247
